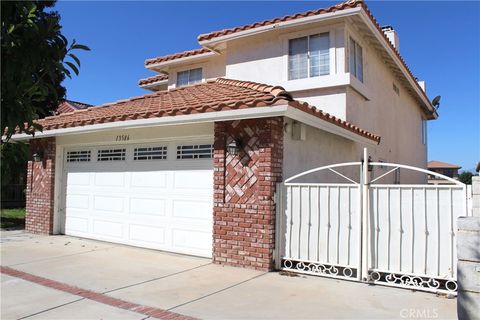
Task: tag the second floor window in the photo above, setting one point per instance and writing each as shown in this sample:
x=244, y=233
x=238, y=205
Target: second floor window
x=356, y=59
x=424, y=131
x=188, y=77
x=309, y=56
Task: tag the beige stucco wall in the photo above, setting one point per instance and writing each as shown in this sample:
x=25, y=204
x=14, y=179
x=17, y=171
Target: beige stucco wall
x=397, y=118
x=212, y=67
x=264, y=59
x=109, y=137
x=319, y=148
x=372, y=105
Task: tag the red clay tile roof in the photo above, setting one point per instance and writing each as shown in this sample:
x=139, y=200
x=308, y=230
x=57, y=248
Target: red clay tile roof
x=434, y=164
x=177, y=56
x=69, y=106
x=218, y=95
x=341, y=6
x=155, y=78
x=338, y=7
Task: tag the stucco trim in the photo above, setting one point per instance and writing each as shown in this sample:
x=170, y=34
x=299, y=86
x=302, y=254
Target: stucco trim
x=247, y=113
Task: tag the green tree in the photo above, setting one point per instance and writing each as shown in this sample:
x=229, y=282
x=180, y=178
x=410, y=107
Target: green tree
x=36, y=57
x=465, y=177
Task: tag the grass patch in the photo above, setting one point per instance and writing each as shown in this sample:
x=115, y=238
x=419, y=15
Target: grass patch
x=12, y=218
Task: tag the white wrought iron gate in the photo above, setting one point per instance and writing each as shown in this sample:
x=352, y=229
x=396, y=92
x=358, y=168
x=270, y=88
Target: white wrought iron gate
x=390, y=234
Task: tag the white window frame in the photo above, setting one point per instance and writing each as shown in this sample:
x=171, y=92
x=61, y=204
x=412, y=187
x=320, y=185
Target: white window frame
x=359, y=44
x=424, y=129
x=331, y=30
x=309, y=56
x=189, y=69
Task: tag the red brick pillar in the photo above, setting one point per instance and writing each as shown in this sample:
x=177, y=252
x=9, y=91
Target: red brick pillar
x=244, y=209
x=40, y=187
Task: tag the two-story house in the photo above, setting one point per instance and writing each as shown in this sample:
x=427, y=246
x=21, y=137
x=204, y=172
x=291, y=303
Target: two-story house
x=446, y=169
x=196, y=162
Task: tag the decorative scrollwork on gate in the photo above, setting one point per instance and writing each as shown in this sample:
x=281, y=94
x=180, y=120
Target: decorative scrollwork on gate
x=316, y=268
x=415, y=282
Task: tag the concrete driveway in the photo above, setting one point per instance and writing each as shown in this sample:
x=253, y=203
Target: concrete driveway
x=61, y=277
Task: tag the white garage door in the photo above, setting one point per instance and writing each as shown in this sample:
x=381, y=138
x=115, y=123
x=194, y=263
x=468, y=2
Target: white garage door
x=156, y=195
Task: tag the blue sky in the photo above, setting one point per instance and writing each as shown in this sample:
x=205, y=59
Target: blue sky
x=440, y=42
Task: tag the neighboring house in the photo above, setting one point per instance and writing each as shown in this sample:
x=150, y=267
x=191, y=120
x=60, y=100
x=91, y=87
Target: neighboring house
x=201, y=156
x=446, y=169
x=69, y=106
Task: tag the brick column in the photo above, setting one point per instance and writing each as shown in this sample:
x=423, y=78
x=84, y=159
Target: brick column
x=244, y=187
x=40, y=187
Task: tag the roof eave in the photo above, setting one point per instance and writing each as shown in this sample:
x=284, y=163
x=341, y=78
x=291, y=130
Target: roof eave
x=228, y=115
x=313, y=121
x=295, y=22
x=432, y=112
x=163, y=66
x=153, y=85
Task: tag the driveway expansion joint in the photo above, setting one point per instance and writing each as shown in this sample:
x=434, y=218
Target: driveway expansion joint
x=49, y=309
x=218, y=291
x=157, y=278
x=95, y=296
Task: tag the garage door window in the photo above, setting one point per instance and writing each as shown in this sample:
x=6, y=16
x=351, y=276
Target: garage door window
x=197, y=151
x=150, y=153
x=79, y=156
x=111, y=155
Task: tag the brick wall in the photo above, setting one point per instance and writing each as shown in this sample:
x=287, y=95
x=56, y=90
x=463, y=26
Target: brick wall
x=244, y=187
x=40, y=187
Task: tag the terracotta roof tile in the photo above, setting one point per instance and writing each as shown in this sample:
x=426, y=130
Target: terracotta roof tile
x=338, y=7
x=153, y=79
x=70, y=106
x=217, y=95
x=341, y=6
x=177, y=56
x=434, y=164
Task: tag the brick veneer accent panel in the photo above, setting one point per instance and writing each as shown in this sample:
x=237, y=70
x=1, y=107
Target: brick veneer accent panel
x=40, y=187
x=244, y=188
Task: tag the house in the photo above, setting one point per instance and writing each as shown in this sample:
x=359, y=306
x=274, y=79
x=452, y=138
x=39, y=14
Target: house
x=197, y=161
x=443, y=168
x=70, y=106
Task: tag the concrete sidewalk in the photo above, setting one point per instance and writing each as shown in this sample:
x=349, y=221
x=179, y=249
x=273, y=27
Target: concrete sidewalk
x=184, y=285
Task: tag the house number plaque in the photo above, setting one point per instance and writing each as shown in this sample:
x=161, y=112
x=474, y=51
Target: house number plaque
x=122, y=137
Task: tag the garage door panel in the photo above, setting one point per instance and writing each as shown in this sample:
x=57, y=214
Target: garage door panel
x=109, y=229
x=187, y=239
x=108, y=204
x=78, y=201
x=150, y=234
x=76, y=224
x=192, y=209
x=78, y=179
x=146, y=206
x=183, y=180
x=162, y=204
x=149, y=180
x=110, y=179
